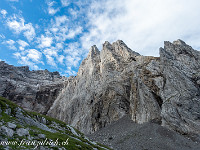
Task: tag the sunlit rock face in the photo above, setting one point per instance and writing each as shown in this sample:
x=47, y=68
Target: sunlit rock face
x=117, y=81
x=100, y=93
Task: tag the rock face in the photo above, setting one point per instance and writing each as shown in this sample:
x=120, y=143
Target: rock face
x=181, y=91
x=32, y=90
x=100, y=93
x=117, y=81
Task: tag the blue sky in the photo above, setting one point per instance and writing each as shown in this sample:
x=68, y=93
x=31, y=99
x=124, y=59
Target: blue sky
x=57, y=34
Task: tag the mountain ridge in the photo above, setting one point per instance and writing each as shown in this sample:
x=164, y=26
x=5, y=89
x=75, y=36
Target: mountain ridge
x=117, y=81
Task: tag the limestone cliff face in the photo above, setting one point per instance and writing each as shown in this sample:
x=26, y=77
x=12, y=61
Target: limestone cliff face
x=32, y=90
x=117, y=81
x=181, y=92
x=100, y=92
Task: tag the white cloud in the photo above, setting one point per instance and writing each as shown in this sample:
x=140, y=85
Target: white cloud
x=22, y=44
x=74, y=32
x=73, y=48
x=65, y=3
x=10, y=44
x=50, y=61
x=50, y=51
x=34, y=55
x=142, y=25
x=4, y=12
x=52, y=10
x=24, y=60
x=45, y=41
x=51, y=54
x=53, y=57
x=63, y=33
x=74, y=55
x=59, y=28
x=61, y=20
x=59, y=45
x=29, y=32
x=29, y=57
x=72, y=61
x=61, y=59
x=17, y=24
x=73, y=12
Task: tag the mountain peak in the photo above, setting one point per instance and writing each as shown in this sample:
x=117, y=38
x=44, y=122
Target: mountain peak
x=120, y=42
x=107, y=46
x=93, y=51
x=179, y=42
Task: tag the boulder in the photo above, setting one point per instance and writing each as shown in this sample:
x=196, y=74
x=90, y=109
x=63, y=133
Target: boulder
x=11, y=125
x=22, y=132
x=6, y=131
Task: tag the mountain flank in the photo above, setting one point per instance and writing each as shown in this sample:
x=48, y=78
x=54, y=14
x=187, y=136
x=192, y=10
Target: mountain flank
x=113, y=83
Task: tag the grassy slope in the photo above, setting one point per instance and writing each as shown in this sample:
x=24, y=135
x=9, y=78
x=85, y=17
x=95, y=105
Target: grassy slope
x=76, y=141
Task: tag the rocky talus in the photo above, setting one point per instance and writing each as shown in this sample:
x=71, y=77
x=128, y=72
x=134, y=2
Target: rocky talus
x=117, y=81
x=124, y=134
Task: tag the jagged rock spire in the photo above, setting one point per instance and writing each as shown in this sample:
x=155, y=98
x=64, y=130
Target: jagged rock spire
x=93, y=51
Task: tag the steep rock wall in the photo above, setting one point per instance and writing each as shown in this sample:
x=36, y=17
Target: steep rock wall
x=114, y=82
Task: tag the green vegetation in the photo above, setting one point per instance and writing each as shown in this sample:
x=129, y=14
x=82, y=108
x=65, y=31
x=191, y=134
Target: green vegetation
x=58, y=131
x=4, y=103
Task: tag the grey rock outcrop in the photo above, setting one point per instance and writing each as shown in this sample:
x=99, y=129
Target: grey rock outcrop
x=32, y=90
x=181, y=93
x=7, y=131
x=11, y=125
x=22, y=132
x=41, y=136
